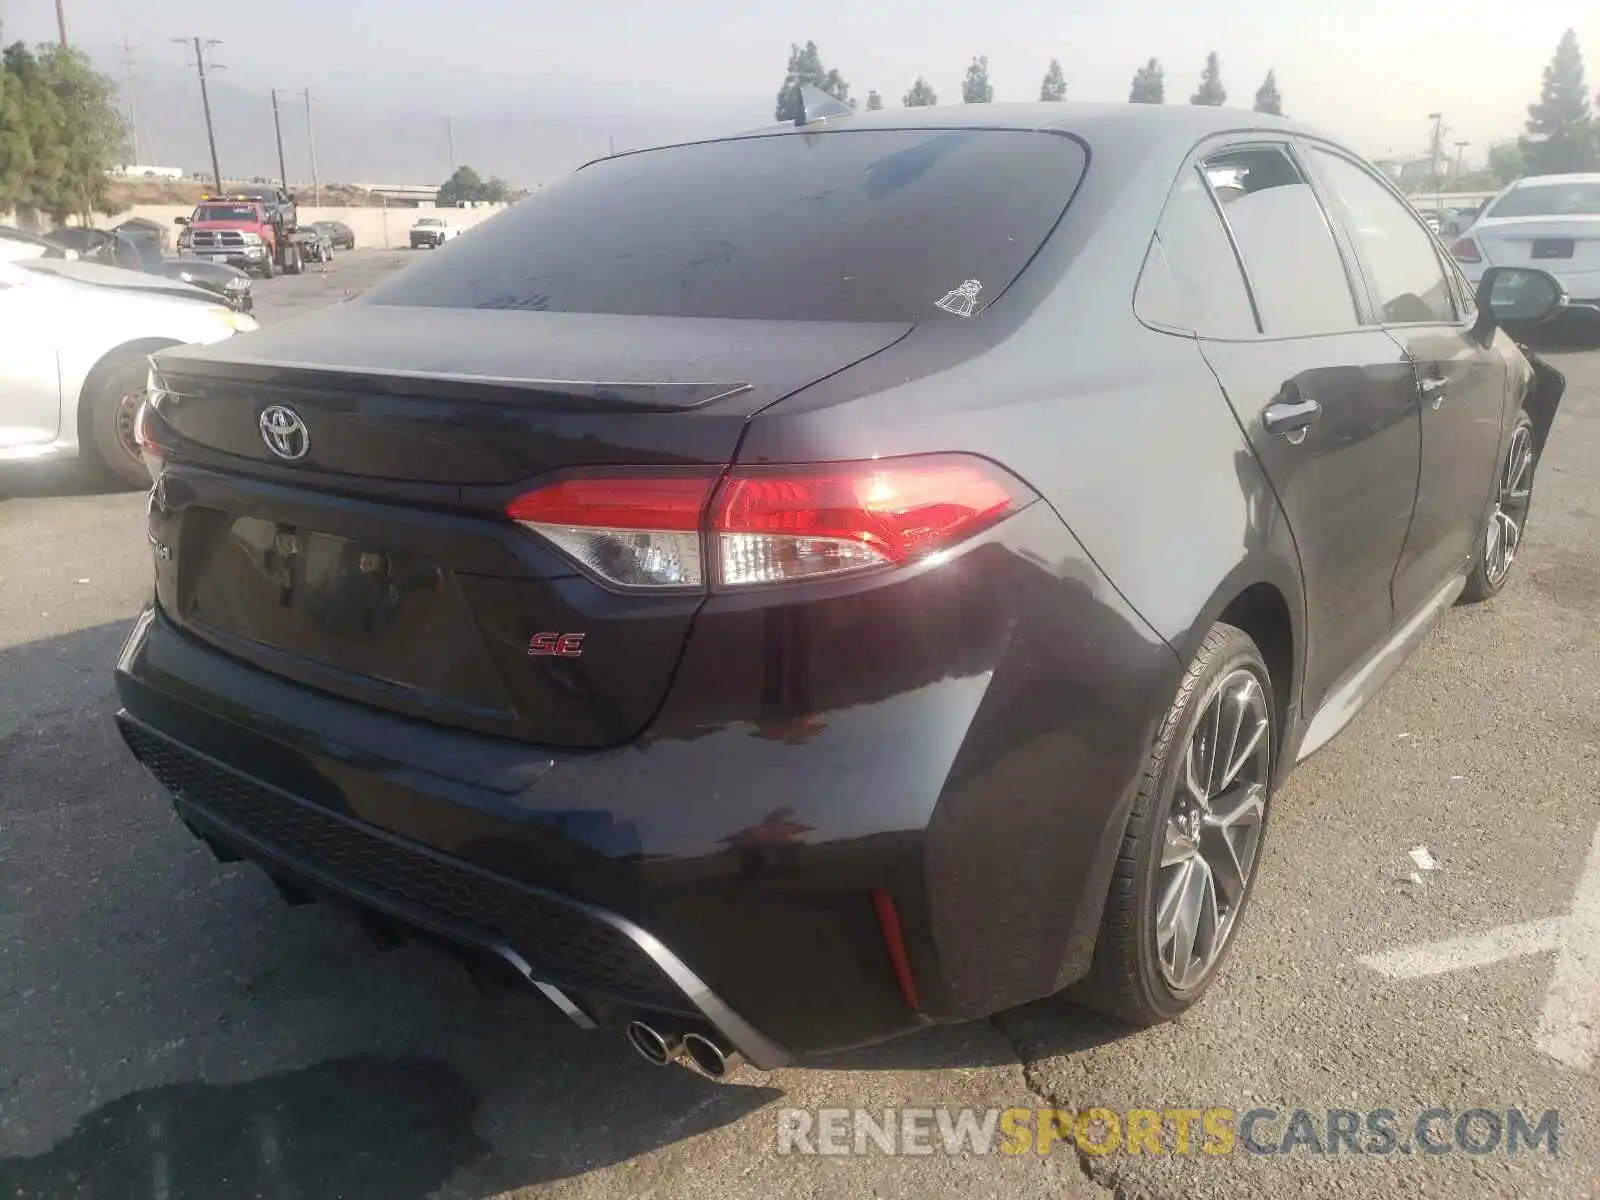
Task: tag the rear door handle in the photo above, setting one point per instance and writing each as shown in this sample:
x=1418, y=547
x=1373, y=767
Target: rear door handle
x=1291, y=418
x=1434, y=388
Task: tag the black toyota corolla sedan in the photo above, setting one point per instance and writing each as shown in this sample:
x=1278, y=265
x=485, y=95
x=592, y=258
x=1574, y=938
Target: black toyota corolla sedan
x=778, y=592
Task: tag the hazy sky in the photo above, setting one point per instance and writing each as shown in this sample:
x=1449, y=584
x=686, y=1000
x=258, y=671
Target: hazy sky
x=1367, y=70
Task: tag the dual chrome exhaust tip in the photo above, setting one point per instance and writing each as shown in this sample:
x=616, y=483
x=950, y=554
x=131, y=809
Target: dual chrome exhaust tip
x=662, y=1044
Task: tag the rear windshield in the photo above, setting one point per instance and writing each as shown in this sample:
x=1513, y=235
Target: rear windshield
x=1549, y=200
x=846, y=225
x=225, y=212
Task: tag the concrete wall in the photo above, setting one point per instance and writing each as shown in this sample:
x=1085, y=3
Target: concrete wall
x=374, y=227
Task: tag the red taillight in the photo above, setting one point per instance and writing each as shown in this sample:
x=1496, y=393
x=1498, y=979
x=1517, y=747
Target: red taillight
x=1466, y=250
x=777, y=524
x=144, y=438
x=770, y=524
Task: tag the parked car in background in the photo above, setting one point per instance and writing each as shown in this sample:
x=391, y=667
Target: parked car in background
x=113, y=248
x=1546, y=221
x=432, y=232
x=794, y=632
x=16, y=246
x=75, y=338
x=1458, y=220
x=340, y=235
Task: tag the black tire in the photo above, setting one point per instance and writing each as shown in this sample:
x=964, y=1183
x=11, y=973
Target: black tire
x=267, y=267
x=1127, y=979
x=292, y=264
x=109, y=453
x=1513, y=497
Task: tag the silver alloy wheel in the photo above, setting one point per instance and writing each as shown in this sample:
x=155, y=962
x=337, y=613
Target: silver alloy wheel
x=1511, y=505
x=1213, y=829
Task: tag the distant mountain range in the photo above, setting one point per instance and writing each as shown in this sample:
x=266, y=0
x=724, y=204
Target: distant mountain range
x=375, y=130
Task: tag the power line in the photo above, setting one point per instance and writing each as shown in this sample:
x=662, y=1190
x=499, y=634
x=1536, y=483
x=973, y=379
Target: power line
x=201, y=45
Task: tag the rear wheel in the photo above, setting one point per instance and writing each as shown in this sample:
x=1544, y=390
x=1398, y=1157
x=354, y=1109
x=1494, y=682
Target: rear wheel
x=291, y=260
x=1508, y=516
x=1188, y=857
x=112, y=452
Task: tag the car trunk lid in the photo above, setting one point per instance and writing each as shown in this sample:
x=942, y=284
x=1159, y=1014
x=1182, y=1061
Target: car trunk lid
x=1551, y=243
x=377, y=563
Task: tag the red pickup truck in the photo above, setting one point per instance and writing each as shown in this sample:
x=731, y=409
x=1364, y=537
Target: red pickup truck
x=239, y=232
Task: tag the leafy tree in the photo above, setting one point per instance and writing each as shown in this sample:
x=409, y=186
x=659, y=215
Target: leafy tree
x=1054, y=86
x=466, y=184
x=1211, y=91
x=975, y=88
x=1149, y=85
x=1507, y=163
x=59, y=134
x=16, y=149
x=1268, y=100
x=806, y=70
x=921, y=95
x=1560, y=130
x=874, y=101
x=91, y=134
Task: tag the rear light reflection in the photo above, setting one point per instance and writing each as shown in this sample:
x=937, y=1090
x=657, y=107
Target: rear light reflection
x=1466, y=250
x=773, y=526
x=144, y=438
x=770, y=525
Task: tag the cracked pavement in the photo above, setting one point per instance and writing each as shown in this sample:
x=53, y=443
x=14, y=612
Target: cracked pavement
x=172, y=1029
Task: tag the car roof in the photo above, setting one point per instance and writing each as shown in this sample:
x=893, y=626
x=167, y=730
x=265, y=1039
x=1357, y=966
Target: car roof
x=1153, y=123
x=1540, y=180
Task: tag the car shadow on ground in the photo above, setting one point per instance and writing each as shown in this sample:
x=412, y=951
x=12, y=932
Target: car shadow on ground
x=187, y=1035
x=42, y=481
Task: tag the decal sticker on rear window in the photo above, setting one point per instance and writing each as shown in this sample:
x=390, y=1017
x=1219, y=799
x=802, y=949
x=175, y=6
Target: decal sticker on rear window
x=963, y=300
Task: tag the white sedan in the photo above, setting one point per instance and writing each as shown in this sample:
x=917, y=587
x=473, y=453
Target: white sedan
x=74, y=342
x=1551, y=222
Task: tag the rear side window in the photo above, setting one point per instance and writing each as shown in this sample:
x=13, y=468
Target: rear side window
x=1192, y=280
x=1404, y=276
x=1295, y=271
x=863, y=225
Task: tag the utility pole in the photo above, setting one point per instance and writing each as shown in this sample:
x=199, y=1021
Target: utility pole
x=200, y=48
x=133, y=105
x=277, y=128
x=311, y=138
x=450, y=136
x=61, y=22
x=1460, y=146
x=1435, y=145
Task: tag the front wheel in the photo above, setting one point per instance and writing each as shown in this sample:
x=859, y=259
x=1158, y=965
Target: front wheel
x=1187, y=863
x=113, y=417
x=267, y=266
x=1508, y=515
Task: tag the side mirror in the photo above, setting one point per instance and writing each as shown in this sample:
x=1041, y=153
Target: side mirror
x=180, y=220
x=1517, y=296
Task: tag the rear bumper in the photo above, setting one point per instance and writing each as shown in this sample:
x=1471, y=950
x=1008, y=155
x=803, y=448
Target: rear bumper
x=968, y=755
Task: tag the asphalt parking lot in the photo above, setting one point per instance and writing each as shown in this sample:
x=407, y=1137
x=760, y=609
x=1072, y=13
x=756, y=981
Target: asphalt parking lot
x=170, y=1028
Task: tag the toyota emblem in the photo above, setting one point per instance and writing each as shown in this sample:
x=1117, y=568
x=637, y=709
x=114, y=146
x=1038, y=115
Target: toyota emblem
x=284, y=432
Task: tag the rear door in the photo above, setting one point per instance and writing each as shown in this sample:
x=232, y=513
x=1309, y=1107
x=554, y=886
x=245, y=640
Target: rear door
x=1327, y=403
x=1462, y=381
